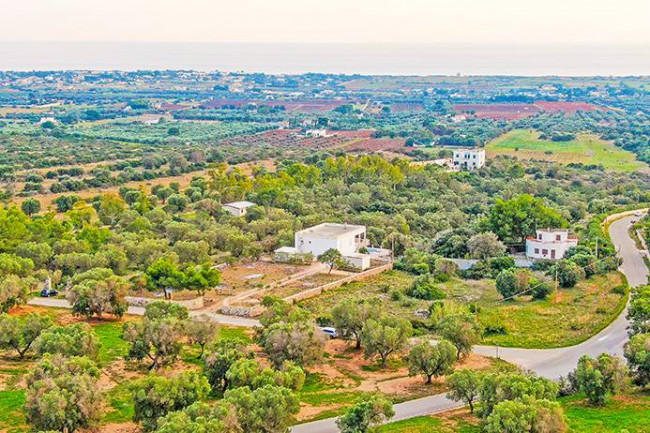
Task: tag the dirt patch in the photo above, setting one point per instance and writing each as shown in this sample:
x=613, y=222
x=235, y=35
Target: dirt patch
x=308, y=411
x=474, y=362
x=126, y=427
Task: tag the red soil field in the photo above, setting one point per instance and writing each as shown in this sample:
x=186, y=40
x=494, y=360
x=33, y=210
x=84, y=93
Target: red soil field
x=519, y=111
x=301, y=106
x=376, y=144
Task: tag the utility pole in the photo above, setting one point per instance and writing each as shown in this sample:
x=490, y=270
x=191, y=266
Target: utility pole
x=556, y=282
x=596, y=248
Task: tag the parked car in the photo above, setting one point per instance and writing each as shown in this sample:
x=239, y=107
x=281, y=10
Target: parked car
x=329, y=331
x=45, y=293
x=638, y=214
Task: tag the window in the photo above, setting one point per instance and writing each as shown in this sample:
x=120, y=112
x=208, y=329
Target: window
x=558, y=237
x=536, y=250
x=545, y=252
x=539, y=236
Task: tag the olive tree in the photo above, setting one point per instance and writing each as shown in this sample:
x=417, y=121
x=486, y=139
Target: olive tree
x=19, y=333
x=220, y=356
x=461, y=330
x=201, y=330
x=600, y=377
x=431, y=359
x=62, y=394
x=368, y=412
x=269, y=409
x=637, y=353
x=155, y=396
x=527, y=415
x=385, y=336
x=349, y=315
x=464, y=385
x=77, y=339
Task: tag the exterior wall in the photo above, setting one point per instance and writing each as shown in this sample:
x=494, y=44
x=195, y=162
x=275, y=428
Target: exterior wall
x=469, y=158
x=359, y=261
x=537, y=249
x=314, y=245
x=235, y=211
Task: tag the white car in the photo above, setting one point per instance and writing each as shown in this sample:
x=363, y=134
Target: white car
x=638, y=214
x=329, y=331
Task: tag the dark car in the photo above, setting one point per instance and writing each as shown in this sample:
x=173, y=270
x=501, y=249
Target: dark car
x=45, y=293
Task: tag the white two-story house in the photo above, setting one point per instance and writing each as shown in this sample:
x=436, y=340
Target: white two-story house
x=469, y=159
x=550, y=244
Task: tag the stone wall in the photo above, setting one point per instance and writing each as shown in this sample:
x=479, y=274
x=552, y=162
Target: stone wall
x=190, y=304
x=335, y=284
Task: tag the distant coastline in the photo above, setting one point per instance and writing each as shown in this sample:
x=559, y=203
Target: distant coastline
x=365, y=59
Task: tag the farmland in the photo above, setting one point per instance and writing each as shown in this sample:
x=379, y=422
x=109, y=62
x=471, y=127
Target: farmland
x=585, y=149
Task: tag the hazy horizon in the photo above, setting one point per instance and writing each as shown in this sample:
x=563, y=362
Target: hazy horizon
x=338, y=58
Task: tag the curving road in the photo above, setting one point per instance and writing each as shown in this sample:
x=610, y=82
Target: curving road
x=551, y=363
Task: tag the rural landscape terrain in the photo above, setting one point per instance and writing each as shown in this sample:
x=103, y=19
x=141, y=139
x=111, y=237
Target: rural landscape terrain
x=212, y=252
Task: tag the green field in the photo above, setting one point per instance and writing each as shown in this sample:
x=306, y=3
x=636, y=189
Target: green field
x=585, y=148
x=625, y=413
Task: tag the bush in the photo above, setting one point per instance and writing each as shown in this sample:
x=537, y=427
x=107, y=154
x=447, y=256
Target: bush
x=424, y=288
x=511, y=282
x=567, y=272
x=541, y=289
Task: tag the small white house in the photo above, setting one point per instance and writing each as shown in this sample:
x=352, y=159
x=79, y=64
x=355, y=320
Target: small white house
x=238, y=208
x=346, y=238
x=316, y=133
x=469, y=159
x=550, y=244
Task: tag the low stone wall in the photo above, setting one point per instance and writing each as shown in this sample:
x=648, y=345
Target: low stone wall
x=335, y=284
x=242, y=311
x=190, y=304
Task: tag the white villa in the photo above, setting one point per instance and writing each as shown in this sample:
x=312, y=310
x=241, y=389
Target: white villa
x=346, y=238
x=469, y=159
x=550, y=244
x=238, y=208
x=316, y=133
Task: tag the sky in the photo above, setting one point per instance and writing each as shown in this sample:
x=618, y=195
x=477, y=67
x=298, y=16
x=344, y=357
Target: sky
x=325, y=21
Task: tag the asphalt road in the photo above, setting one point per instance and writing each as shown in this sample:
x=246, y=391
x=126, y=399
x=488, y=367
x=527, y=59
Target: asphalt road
x=550, y=363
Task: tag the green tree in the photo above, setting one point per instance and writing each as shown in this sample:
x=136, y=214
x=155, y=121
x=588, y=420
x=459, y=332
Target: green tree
x=201, y=330
x=201, y=418
x=77, y=339
x=431, y=359
x=31, y=206
x=331, y=257
x=349, y=315
x=600, y=377
x=520, y=416
x=637, y=353
x=461, y=330
x=568, y=273
x=159, y=340
x=424, y=287
x=385, y=336
x=639, y=311
x=164, y=310
x=269, y=409
x=484, y=246
x=164, y=275
x=499, y=387
x=368, y=412
x=464, y=385
x=515, y=219
x=111, y=207
x=248, y=372
x=94, y=297
x=13, y=291
x=156, y=396
x=200, y=278
x=220, y=356
x=19, y=333
x=511, y=282
x=62, y=394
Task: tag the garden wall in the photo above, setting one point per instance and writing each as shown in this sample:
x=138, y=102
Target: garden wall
x=190, y=304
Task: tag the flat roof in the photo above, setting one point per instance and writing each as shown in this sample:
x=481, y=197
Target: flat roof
x=240, y=204
x=333, y=230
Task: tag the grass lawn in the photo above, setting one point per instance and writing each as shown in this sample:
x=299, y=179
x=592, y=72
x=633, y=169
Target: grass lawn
x=573, y=315
x=426, y=424
x=585, y=148
x=622, y=413
x=12, y=418
x=568, y=317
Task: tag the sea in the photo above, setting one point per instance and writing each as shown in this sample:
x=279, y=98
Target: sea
x=340, y=58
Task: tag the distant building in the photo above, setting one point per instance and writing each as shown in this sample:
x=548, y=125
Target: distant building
x=238, y=208
x=346, y=238
x=550, y=244
x=469, y=159
x=316, y=133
